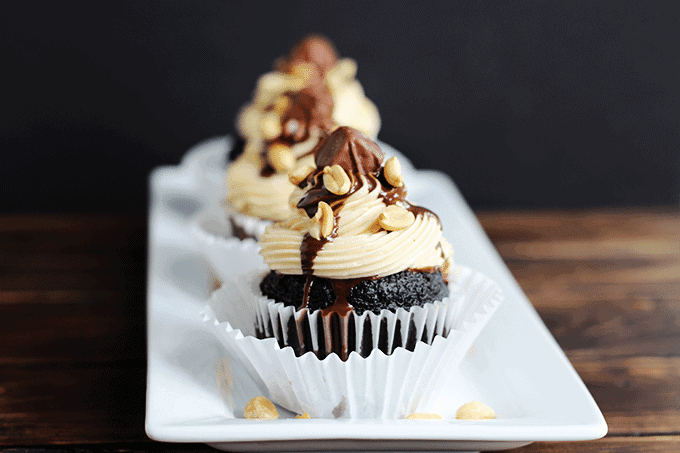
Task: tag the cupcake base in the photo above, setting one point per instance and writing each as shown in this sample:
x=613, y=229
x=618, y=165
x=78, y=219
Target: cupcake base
x=238, y=231
x=401, y=290
x=244, y=226
x=377, y=386
x=342, y=329
x=236, y=150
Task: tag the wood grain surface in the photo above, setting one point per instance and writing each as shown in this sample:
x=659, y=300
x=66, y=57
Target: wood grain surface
x=72, y=317
x=607, y=285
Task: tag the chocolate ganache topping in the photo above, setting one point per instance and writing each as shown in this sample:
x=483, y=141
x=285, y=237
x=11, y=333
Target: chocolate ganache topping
x=299, y=119
x=353, y=222
x=350, y=149
x=315, y=49
x=310, y=110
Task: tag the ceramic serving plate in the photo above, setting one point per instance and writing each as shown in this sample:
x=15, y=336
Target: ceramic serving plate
x=196, y=389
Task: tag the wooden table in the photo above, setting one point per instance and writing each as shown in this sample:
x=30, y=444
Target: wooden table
x=72, y=323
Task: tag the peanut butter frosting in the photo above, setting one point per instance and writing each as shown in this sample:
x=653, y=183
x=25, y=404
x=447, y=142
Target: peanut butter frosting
x=308, y=95
x=352, y=219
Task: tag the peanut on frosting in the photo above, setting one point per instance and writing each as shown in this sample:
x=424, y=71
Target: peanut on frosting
x=270, y=125
x=300, y=174
x=336, y=180
x=393, y=172
x=396, y=218
x=280, y=157
x=321, y=225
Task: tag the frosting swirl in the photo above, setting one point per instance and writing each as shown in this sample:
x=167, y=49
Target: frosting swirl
x=352, y=107
x=362, y=241
x=261, y=195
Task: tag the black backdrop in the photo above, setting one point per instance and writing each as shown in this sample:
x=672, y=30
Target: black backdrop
x=526, y=104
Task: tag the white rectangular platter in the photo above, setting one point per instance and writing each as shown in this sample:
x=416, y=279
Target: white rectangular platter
x=514, y=366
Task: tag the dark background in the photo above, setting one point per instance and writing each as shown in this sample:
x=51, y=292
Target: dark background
x=524, y=104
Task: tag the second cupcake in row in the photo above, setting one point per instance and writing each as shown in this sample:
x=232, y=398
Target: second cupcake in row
x=311, y=92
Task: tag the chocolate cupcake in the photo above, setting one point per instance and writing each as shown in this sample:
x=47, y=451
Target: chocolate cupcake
x=352, y=316
x=355, y=259
x=310, y=93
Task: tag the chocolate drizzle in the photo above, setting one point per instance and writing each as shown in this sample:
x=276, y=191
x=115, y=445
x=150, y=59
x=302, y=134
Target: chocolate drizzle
x=309, y=112
x=419, y=210
x=388, y=194
x=318, y=193
x=342, y=288
x=404, y=289
x=336, y=327
x=309, y=281
x=391, y=195
x=314, y=195
x=309, y=249
x=352, y=151
x=267, y=169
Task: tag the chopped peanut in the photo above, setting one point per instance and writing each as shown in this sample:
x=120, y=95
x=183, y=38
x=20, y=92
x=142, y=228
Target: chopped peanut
x=393, y=172
x=423, y=416
x=474, y=410
x=270, y=126
x=321, y=225
x=281, y=158
x=260, y=408
x=300, y=174
x=396, y=218
x=336, y=180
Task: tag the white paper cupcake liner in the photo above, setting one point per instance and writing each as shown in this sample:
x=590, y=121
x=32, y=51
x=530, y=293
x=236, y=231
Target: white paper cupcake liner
x=210, y=156
x=227, y=256
x=378, y=386
x=250, y=226
x=215, y=221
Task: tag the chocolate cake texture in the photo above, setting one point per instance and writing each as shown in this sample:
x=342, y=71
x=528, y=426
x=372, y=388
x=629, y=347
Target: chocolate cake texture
x=401, y=290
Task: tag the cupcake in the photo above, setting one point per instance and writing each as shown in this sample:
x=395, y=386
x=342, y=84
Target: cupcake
x=353, y=245
x=351, y=106
x=356, y=310
x=310, y=93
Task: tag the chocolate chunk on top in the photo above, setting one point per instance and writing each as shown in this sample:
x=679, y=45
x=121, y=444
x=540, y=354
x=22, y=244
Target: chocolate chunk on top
x=310, y=109
x=315, y=49
x=350, y=149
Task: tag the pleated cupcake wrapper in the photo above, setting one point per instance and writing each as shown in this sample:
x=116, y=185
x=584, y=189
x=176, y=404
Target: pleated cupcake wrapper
x=379, y=386
x=252, y=226
x=326, y=334
x=227, y=255
x=215, y=222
